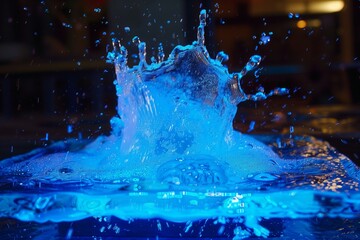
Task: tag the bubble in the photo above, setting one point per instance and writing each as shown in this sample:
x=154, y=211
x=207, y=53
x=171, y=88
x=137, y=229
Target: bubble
x=66, y=170
x=168, y=113
x=265, y=177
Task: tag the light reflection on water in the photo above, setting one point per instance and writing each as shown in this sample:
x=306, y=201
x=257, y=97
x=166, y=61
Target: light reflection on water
x=174, y=166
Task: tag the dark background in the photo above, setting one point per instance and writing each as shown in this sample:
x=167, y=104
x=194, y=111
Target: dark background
x=55, y=83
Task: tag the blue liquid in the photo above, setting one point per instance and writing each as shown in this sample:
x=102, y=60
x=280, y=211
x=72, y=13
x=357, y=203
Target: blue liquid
x=174, y=160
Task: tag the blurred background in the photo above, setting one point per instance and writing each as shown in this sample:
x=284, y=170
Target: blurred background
x=55, y=82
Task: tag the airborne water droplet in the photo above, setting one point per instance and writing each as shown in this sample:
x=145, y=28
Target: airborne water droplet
x=168, y=113
x=291, y=129
x=251, y=126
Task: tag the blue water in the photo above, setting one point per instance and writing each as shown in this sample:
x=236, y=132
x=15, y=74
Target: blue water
x=174, y=167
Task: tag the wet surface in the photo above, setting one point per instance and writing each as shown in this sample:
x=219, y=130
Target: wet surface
x=337, y=124
x=152, y=166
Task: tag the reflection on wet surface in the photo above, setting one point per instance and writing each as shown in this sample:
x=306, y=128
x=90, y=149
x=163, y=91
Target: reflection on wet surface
x=337, y=124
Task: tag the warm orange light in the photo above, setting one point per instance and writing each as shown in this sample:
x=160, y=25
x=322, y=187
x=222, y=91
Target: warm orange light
x=301, y=24
x=313, y=23
x=266, y=7
x=326, y=6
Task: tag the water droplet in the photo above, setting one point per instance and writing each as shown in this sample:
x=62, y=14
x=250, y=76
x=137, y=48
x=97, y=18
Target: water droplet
x=291, y=129
x=161, y=54
x=136, y=40
x=69, y=233
x=264, y=39
x=221, y=230
x=158, y=224
x=222, y=57
x=46, y=138
x=257, y=73
x=69, y=128
x=66, y=25
x=251, y=126
x=188, y=226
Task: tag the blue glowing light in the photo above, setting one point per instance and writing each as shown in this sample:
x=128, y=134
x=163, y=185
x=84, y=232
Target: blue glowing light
x=174, y=155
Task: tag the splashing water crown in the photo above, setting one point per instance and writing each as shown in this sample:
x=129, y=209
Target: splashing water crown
x=119, y=57
x=173, y=154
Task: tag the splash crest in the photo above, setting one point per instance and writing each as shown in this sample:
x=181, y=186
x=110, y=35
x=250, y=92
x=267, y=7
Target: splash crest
x=173, y=154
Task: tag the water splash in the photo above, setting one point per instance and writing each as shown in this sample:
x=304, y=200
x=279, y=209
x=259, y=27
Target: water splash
x=173, y=154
